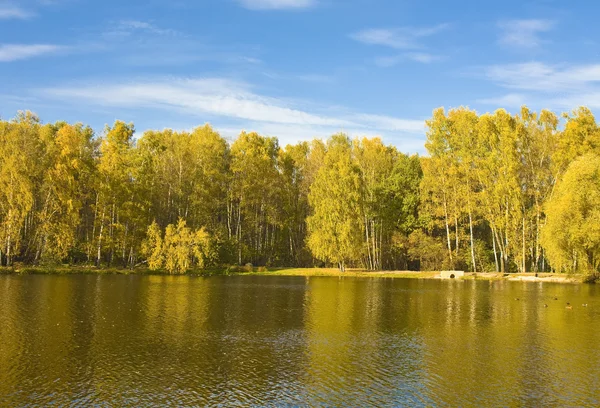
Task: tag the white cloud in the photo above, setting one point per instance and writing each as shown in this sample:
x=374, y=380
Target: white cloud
x=537, y=76
x=142, y=43
x=399, y=38
x=421, y=57
x=381, y=36
x=10, y=11
x=404, y=38
x=15, y=52
x=231, y=101
x=125, y=28
x=523, y=33
x=23, y=9
x=590, y=99
x=390, y=123
x=564, y=86
x=145, y=26
x=200, y=96
x=290, y=134
x=277, y=4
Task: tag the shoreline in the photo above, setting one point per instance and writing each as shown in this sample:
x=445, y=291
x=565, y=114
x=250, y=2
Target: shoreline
x=306, y=272
x=435, y=275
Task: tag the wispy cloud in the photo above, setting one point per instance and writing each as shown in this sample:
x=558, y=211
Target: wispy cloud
x=12, y=11
x=386, y=37
x=143, y=43
x=277, y=4
x=537, y=76
x=523, y=33
x=408, y=39
x=553, y=86
x=389, y=123
x=229, y=100
x=421, y=57
x=128, y=27
x=590, y=99
x=24, y=9
x=399, y=38
x=15, y=52
x=409, y=142
x=219, y=97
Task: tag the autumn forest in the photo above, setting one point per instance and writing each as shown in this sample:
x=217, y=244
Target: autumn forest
x=494, y=192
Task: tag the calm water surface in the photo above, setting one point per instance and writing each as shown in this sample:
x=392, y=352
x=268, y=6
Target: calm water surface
x=277, y=341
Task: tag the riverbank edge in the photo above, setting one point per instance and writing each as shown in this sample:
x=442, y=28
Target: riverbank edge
x=306, y=272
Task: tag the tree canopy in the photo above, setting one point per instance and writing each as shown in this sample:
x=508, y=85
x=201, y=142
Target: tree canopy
x=572, y=232
x=495, y=192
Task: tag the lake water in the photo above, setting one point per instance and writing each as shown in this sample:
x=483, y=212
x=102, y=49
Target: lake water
x=292, y=341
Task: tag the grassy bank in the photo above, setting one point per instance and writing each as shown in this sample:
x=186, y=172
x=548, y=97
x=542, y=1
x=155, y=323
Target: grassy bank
x=359, y=273
x=525, y=277
x=73, y=270
x=245, y=271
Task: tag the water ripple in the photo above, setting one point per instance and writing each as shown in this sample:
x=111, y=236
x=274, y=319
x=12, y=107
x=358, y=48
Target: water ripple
x=293, y=341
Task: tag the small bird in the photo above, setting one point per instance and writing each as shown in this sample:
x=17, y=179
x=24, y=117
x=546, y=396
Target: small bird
x=584, y=305
x=569, y=307
x=516, y=298
x=545, y=305
x=555, y=298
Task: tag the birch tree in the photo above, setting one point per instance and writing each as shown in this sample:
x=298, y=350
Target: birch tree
x=335, y=226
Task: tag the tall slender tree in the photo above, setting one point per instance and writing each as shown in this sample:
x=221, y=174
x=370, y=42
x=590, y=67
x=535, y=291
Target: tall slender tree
x=336, y=224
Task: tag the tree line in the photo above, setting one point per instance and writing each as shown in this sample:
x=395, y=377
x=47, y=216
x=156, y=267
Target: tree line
x=496, y=192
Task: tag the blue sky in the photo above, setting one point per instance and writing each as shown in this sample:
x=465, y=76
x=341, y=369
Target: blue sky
x=295, y=69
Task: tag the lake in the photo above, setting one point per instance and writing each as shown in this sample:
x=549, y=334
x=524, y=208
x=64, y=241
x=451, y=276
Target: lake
x=111, y=340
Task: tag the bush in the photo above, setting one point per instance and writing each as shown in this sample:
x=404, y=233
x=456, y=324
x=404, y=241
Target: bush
x=427, y=250
x=484, y=257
